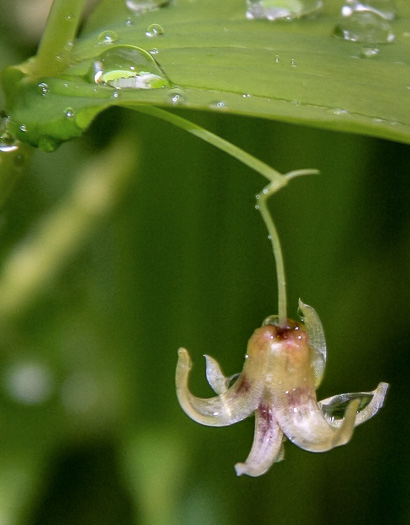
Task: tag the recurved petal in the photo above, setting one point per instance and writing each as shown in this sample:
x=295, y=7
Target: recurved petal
x=303, y=423
x=231, y=406
x=370, y=403
x=267, y=443
x=317, y=340
x=215, y=377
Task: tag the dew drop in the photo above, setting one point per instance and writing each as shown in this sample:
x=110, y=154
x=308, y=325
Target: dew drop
x=293, y=62
x=107, y=37
x=369, y=52
x=43, y=89
x=384, y=8
x=128, y=22
x=154, y=30
x=7, y=147
x=176, y=96
x=366, y=22
x=219, y=104
x=282, y=9
x=141, y=6
x=23, y=128
x=69, y=113
x=153, y=51
x=127, y=67
x=7, y=141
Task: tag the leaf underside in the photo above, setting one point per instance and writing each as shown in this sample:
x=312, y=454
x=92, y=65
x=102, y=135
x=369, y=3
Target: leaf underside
x=290, y=71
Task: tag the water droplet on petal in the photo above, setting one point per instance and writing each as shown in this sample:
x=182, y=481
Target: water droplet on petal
x=43, y=89
x=107, y=37
x=282, y=9
x=127, y=67
x=154, y=30
x=176, y=96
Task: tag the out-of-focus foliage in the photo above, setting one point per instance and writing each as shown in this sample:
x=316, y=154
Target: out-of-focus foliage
x=90, y=427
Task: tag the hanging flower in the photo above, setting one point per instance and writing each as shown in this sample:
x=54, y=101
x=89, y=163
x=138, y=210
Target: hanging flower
x=283, y=367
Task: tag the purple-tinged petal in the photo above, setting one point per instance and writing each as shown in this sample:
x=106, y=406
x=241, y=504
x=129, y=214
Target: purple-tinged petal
x=267, y=442
x=303, y=423
x=291, y=382
x=333, y=408
x=237, y=403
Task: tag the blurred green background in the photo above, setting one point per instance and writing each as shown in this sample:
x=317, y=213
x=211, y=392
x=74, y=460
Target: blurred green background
x=90, y=429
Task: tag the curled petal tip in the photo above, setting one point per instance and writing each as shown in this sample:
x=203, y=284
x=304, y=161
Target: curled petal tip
x=230, y=406
x=240, y=469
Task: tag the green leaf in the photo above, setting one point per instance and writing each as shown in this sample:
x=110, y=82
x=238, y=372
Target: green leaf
x=210, y=57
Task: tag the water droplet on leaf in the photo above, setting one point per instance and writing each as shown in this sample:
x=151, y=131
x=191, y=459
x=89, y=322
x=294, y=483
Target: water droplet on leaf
x=384, y=8
x=107, y=37
x=219, y=104
x=176, y=96
x=43, y=89
x=366, y=22
x=141, y=6
x=23, y=128
x=154, y=30
x=282, y=9
x=128, y=67
x=69, y=112
x=369, y=52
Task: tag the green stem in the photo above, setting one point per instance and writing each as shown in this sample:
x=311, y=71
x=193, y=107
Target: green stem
x=56, y=43
x=276, y=181
x=262, y=205
x=266, y=171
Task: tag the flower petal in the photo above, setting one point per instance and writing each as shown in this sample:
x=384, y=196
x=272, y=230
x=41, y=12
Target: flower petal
x=304, y=424
x=215, y=377
x=317, y=341
x=267, y=443
x=231, y=406
x=370, y=403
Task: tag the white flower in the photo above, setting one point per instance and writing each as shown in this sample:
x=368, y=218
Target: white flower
x=283, y=368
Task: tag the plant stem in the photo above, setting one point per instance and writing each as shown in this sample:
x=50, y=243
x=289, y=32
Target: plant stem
x=271, y=174
x=276, y=181
x=56, y=43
